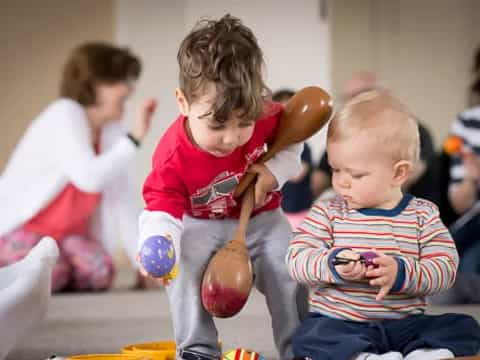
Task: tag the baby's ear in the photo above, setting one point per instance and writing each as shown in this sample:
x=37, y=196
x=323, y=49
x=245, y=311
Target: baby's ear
x=182, y=103
x=401, y=172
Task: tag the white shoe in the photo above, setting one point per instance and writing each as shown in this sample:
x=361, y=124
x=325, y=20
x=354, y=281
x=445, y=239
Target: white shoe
x=392, y=355
x=25, y=288
x=429, y=354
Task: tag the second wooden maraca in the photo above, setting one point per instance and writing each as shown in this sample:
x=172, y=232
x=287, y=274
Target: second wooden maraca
x=227, y=281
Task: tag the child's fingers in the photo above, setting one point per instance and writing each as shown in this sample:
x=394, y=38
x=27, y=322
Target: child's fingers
x=256, y=169
x=260, y=195
x=384, y=290
x=379, y=281
x=383, y=260
x=143, y=272
x=375, y=272
x=347, y=268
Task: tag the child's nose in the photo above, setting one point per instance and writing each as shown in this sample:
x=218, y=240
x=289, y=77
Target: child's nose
x=344, y=182
x=230, y=137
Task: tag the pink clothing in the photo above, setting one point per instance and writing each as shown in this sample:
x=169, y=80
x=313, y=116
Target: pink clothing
x=186, y=179
x=295, y=219
x=83, y=263
x=68, y=214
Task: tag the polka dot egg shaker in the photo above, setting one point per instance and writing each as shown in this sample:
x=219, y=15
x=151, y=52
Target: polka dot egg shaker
x=157, y=256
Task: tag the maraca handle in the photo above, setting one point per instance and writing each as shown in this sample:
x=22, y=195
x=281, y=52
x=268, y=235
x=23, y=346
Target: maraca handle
x=248, y=178
x=248, y=203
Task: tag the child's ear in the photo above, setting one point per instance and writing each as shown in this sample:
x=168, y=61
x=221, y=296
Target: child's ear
x=182, y=103
x=401, y=172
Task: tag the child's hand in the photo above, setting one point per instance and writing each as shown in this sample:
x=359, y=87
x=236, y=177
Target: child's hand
x=165, y=279
x=384, y=276
x=354, y=270
x=144, y=119
x=266, y=182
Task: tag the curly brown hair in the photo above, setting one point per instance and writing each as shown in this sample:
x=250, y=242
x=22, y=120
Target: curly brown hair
x=226, y=53
x=96, y=63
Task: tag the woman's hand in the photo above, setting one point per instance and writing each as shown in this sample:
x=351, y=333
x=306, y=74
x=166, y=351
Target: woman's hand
x=144, y=119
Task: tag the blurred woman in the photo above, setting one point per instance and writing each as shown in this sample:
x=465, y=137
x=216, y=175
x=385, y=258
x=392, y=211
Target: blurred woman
x=69, y=175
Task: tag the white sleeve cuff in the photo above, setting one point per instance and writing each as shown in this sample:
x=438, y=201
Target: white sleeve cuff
x=286, y=164
x=153, y=223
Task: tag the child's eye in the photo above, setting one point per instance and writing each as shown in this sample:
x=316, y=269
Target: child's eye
x=216, y=127
x=335, y=170
x=358, y=176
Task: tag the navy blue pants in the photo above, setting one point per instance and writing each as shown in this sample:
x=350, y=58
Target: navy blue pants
x=323, y=338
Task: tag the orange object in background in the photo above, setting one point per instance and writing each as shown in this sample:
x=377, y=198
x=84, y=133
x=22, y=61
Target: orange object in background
x=161, y=350
x=453, y=145
x=108, y=357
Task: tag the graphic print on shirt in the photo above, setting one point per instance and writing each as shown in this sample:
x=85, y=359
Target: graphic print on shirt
x=215, y=199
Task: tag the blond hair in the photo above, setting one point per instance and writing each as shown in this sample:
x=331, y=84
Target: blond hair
x=387, y=121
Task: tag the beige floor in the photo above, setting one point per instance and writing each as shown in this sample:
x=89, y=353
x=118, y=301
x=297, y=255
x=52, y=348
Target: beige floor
x=90, y=323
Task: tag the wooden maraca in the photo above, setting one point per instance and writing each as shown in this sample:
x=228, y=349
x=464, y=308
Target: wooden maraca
x=227, y=281
x=305, y=113
x=225, y=292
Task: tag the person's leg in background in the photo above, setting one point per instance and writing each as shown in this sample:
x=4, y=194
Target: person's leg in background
x=92, y=267
x=17, y=244
x=466, y=236
x=466, y=289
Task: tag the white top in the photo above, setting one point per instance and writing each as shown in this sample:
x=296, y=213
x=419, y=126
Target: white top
x=57, y=149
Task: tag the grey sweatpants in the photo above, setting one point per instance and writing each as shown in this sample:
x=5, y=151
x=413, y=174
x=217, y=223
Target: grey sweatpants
x=267, y=239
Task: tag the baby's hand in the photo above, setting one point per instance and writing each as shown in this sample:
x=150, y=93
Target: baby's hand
x=352, y=271
x=384, y=276
x=266, y=182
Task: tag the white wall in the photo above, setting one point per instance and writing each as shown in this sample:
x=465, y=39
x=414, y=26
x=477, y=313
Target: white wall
x=35, y=39
x=153, y=30
x=294, y=39
x=422, y=50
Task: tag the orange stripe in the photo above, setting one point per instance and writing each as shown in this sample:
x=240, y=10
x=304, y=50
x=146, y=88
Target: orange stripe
x=345, y=232
x=387, y=221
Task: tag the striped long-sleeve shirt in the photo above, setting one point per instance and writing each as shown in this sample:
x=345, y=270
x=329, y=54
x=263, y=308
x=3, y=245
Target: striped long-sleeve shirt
x=412, y=232
x=467, y=127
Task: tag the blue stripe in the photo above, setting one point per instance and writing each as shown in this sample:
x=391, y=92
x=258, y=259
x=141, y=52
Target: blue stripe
x=400, y=279
x=330, y=262
x=388, y=212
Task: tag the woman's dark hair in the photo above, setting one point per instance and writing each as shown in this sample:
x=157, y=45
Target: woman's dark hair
x=96, y=63
x=225, y=53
